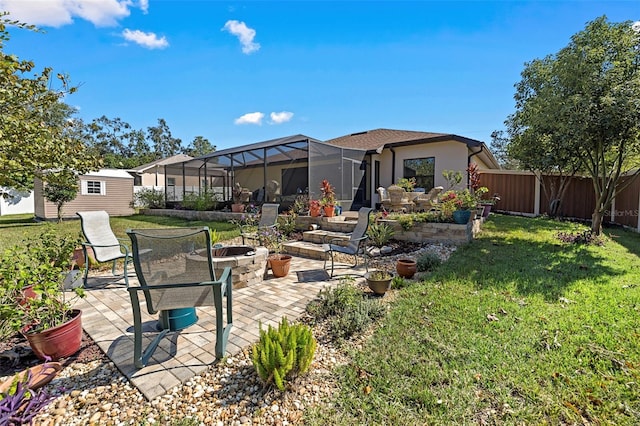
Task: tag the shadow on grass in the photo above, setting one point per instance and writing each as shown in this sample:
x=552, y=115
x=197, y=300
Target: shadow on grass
x=13, y=221
x=523, y=254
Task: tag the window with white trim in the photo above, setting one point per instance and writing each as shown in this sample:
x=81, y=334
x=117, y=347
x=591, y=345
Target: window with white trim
x=94, y=187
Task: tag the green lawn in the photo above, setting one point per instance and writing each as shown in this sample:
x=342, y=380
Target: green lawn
x=16, y=228
x=516, y=328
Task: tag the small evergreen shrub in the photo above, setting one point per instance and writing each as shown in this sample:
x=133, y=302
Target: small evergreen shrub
x=347, y=309
x=405, y=221
x=428, y=262
x=356, y=319
x=335, y=301
x=379, y=234
x=149, y=198
x=399, y=282
x=283, y=352
x=287, y=223
x=204, y=201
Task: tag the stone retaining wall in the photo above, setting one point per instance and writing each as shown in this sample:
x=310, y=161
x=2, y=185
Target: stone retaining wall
x=421, y=232
x=450, y=233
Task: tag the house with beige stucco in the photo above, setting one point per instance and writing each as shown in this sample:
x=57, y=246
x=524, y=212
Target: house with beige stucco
x=279, y=170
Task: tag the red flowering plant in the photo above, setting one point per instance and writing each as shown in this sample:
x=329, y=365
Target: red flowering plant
x=328, y=198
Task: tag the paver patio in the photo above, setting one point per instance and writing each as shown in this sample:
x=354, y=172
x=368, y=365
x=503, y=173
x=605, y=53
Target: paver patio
x=107, y=317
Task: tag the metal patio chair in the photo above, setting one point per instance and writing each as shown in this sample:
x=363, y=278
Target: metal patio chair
x=354, y=246
x=268, y=221
x=102, y=241
x=178, y=273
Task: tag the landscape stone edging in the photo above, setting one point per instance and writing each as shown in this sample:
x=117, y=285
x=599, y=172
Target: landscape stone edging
x=421, y=232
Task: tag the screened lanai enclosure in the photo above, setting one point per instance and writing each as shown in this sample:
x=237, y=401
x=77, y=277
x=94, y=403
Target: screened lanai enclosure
x=274, y=171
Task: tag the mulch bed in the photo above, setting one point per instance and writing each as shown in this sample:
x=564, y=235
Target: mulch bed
x=16, y=355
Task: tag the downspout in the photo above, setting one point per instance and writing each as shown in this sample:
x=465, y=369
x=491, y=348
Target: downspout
x=393, y=165
x=469, y=160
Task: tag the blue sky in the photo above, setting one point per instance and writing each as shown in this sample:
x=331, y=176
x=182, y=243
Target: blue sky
x=243, y=72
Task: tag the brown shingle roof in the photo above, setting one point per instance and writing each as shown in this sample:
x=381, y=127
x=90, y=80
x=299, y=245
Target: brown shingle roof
x=374, y=139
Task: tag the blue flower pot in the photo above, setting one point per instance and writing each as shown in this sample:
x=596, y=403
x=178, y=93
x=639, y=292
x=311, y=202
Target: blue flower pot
x=461, y=216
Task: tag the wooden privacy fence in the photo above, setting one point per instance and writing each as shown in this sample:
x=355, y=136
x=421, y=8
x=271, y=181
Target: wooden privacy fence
x=521, y=193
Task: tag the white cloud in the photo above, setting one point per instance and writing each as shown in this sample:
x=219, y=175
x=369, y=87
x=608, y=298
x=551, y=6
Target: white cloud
x=250, y=118
x=244, y=34
x=144, y=6
x=56, y=13
x=281, y=117
x=148, y=40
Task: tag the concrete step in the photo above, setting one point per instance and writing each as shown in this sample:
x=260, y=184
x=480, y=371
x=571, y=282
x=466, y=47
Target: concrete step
x=305, y=249
x=320, y=235
x=344, y=226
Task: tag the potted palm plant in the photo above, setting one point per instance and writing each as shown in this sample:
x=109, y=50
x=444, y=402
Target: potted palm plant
x=48, y=321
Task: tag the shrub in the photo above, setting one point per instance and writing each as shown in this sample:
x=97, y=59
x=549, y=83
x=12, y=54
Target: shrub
x=406, y=221
x=347, y=309
x=149, y=198
x=379, y=234
x=200, y=202
x=287, y=223
x=428, y=262
x=356, y=319
x=399, y=282
x=283, y=352
x=335, y=301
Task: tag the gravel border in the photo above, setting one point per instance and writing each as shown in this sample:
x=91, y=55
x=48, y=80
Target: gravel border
x=228, y=393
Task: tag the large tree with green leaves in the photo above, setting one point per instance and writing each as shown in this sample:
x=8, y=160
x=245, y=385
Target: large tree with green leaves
x=33, y=139
x=199, y=146
x=583, y=104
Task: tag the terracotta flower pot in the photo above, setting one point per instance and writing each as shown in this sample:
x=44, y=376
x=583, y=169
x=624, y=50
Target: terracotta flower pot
x=329, y=211
x=314, y=212
x=27, y=294
x=280, y=264
x=237, y=208
x=57, y=342
x=406, y=268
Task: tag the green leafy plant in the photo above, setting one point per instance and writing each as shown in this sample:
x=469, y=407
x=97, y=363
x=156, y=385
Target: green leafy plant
x=453, y=178
x=407, y=183
x=405, y=221
x=399, y=282
x=428, y=262
x=346, y=309
x=43, y=264
x=287, y=223
x=379, y=275
x=149, y=198
x=379, y=233
x=60, y=189
x=206, y=200
x=283, y=352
